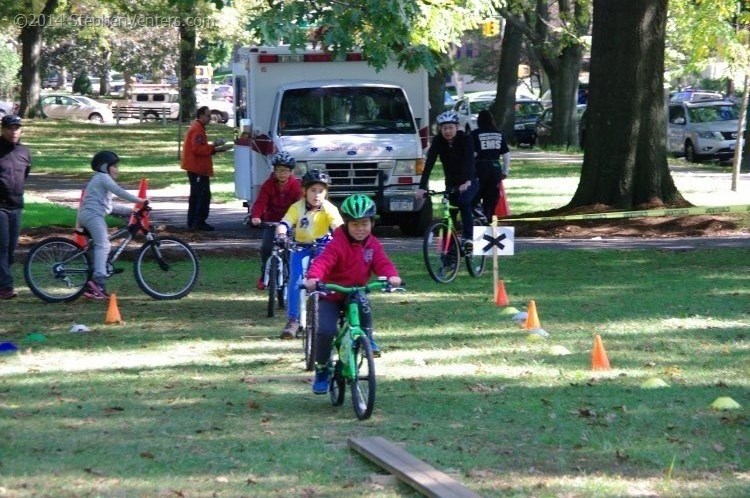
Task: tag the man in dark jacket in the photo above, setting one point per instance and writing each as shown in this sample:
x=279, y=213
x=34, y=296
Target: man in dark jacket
x=15, y=164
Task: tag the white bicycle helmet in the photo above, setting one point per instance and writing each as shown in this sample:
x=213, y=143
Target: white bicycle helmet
x=284, y=158
x=447, y=117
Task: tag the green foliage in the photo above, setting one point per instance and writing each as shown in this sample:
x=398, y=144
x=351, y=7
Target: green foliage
x=10, y=63
x=82, y=84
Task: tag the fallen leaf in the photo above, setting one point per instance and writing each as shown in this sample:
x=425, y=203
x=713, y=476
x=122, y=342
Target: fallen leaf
x=718, y=448
x=252, y=404
x=147, y=454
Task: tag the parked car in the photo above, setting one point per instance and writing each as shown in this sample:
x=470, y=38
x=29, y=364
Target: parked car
x=75, y=107
x=469, y=106
x=225, y=92
x=527, y=113
x=703, y=130
x=692, y=95
x=544, y=125
x=7, y=107
x=222, y=110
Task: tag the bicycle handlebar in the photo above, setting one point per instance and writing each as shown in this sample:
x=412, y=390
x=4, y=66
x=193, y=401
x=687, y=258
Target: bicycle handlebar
x=383, y=285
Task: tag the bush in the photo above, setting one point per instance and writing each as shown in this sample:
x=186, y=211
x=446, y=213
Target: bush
x=82, y=84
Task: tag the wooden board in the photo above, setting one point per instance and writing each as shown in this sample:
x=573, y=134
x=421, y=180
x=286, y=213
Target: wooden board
x=423, y=477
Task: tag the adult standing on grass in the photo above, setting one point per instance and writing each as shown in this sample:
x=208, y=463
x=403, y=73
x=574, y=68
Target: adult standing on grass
x=197, y=160
x=15, y=164
x=456, y=153
x=490, y=145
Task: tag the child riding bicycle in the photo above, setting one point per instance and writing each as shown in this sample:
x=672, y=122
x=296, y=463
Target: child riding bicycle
x=96, y=204
x=277, y=194
x=313, y=218
x=350, y=259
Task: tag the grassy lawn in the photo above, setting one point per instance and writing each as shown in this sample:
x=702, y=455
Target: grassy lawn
x=198, y=398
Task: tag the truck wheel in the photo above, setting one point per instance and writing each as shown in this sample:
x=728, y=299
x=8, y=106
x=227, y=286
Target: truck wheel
x=418, y=223
x=216, y=117
x=150, y=117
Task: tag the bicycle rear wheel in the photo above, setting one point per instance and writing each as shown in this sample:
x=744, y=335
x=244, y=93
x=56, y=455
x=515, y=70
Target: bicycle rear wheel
x=475, y=264
x=56, y=270
x=273, y=282
x=363, y=384
x=441, y=252
x=309, y=340
x=166, y=268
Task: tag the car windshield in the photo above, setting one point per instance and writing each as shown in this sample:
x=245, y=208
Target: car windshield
x=334, y=110
x=528, y=108
x=713, y=113
x=480, y=105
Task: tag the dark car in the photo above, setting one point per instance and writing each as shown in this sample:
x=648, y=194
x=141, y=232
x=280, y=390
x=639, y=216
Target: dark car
x=544, y=125
x=527, y=113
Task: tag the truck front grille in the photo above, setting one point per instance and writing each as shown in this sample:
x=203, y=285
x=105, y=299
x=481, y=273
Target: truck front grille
x=352, y=176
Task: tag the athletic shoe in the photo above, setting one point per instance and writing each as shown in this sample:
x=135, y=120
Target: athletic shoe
x=260, y=285
x=95, y=291
x=376, y=353
x=204, y=227
x=322, y=378
x=290, y=329
x=8, y=293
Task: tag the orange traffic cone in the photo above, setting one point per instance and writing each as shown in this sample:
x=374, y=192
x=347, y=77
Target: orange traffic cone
x=142, y=194
x=501, y=298
x=532, y=320
x=113, y=312
x=78, y=237
x=501, y=208
x=599, y=360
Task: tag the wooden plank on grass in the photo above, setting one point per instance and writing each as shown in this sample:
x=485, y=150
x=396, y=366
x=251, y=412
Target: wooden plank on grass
x=423, y=477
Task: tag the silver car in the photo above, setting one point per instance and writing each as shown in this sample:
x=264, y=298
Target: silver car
x=703, y=130
x=76, y=107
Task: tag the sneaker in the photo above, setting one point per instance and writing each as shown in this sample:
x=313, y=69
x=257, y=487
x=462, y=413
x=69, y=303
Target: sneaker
x=290, y=329
x=204, y=227
x=260, y=285
x=322, y=379
x=376, y=353
x=8, y=293
x=95, y=291
x=467, y=246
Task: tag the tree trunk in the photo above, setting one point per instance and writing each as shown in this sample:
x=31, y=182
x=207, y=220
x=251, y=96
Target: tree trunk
x=31, y=39
x=625, y=161
x=507, y=80
x=563, y=78
x=187, y=70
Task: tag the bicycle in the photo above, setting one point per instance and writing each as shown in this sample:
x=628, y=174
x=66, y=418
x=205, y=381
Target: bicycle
x=354, y=363
x=276, y=274
x=57, y=268
x=308, y=312
x=442, y=249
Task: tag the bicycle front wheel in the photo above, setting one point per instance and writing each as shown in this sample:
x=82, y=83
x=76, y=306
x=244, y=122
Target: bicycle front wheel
x=363, y=384
x=336, y=389
x=311, y=332
x=273, y=283
x=441, y=252
x=166, y=268
x=56, y=270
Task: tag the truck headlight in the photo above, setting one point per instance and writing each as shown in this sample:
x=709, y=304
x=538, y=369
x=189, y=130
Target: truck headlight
x=300, y=169
x=405, y=167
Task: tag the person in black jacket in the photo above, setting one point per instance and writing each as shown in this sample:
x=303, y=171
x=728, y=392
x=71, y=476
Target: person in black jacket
x=15, y=164
x=490, y=146
x=456, y=153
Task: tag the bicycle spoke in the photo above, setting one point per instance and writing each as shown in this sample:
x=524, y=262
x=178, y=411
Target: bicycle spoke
x=166, y=268
x=56, y=270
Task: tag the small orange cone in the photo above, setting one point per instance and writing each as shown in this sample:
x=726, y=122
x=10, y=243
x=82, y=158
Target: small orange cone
x=78, y=237
x=599, y=360
x=501, y=208
x=113, y=312
x=501, y=298
x=142, y=194
x=532, y=320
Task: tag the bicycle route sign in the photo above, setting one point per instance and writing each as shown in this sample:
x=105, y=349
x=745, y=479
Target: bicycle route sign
x=489, y=239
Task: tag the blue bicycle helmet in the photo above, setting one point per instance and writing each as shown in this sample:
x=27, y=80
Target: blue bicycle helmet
x=447, y=117
x=284, y=158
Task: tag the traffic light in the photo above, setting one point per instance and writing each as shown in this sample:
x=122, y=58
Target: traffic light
x=491, y=27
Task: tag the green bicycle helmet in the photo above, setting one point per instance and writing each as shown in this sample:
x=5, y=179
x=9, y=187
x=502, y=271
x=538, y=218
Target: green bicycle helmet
x=357, y=206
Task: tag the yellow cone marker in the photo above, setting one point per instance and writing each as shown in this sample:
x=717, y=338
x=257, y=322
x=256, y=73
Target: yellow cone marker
x=725, y=403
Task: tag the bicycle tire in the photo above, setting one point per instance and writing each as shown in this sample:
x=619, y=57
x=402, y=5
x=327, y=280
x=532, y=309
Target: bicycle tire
x=166, y=268
x=441, y=259
x=49, y=278
x=363, y=383
x=337, y=386
x=475, y=264
x=282, y=291
x=273, y=282
x=309, y=340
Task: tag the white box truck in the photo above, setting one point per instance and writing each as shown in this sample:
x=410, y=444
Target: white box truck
x=367, y=130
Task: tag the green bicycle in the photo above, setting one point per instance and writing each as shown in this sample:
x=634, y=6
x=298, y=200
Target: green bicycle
x=353, y=362
x=442, y=248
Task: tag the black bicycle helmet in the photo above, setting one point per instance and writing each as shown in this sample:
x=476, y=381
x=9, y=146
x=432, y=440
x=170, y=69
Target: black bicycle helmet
x=283, y=158
x=102, y=160
x=315, y=176
x=357, y=206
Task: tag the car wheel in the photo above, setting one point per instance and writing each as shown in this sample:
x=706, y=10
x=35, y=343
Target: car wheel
x=216, y=117
x=690, y=155
x=150, y=117
x=95, y=117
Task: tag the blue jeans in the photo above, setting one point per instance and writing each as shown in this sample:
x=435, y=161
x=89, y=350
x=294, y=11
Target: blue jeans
x=465, y=201
x=10, y=228
x=299, y=260
x=328, y=317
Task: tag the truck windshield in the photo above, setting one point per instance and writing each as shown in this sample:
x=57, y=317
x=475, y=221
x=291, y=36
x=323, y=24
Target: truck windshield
x=335, y=110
